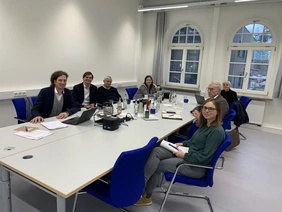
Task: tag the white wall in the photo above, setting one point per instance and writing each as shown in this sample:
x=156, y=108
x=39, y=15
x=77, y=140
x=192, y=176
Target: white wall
x=230, y=18
x=40, y=37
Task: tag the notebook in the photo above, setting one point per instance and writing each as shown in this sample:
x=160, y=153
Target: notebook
x=85, y=116
x=200, y=99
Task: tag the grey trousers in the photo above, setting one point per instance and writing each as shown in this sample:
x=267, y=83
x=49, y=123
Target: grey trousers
x=161, y=160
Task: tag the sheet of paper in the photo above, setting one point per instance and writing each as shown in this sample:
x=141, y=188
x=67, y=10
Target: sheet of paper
x=172, y=147
x=51, y=125
x=34, y=135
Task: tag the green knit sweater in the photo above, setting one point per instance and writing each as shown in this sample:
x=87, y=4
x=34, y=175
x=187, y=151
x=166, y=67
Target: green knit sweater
x=203, y=144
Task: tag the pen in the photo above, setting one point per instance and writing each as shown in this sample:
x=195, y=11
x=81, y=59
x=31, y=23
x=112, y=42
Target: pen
x=173, y=146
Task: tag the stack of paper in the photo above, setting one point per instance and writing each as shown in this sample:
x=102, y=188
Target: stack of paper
x=51, y=125
x=34, y=135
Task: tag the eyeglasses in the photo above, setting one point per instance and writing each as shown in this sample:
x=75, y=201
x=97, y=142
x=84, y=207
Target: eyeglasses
x=209, y=108
x=210, y=89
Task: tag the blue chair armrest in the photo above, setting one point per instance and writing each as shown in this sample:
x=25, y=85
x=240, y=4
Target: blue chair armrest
x=22, y=120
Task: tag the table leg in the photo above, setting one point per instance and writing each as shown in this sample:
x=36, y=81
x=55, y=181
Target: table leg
x=5, y=189
x=61, y=204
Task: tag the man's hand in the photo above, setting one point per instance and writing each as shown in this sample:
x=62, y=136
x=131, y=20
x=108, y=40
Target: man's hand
x=62, y=115
x=36, y=119
x=90, y=106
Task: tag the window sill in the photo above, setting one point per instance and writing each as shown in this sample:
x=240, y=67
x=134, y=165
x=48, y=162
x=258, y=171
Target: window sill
x=183, y=89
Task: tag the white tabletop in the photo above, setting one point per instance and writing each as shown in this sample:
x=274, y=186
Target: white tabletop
x=11, y=144
x=75, y=156
x=66, y=166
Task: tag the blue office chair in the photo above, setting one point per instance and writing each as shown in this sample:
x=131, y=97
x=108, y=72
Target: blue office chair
x=23, y=108
x=245, y=102
x=176, y=138
x=126, y=181
x=131, y=92
x=228, y=118
x=206, y=181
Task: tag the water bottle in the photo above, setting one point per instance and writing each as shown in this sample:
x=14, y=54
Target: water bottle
x=136, y=108
x=125, y=101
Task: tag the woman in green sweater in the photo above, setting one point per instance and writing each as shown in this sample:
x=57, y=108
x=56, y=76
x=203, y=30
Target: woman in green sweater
x=202, y=147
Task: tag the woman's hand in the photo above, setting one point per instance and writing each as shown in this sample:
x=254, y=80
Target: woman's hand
x=178, y=144
x=179, y=154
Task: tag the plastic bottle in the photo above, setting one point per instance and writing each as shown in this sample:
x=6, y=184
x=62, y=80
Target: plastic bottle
x=125, y=101
x=136, y=108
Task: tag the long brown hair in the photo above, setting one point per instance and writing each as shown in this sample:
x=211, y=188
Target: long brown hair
x=152, y=84
x=218, y=119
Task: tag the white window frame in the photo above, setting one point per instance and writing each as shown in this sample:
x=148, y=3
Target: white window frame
x=182, y=73
x=250, y=47
x=247, y=68
x=184, y=47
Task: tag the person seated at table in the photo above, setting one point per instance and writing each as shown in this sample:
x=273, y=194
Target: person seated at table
x=55, y=100
x=214, y=90
x=184, y=130
x=196, y=112
x=227, y=93
x=202, y=146
x=147, y=88
x=84, y=94
x=107, y=93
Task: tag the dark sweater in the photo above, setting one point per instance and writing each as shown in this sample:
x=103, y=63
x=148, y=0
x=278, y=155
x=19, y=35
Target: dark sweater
x=45, y=99
x=203, y=144
x=230, y=96
x=104, y=95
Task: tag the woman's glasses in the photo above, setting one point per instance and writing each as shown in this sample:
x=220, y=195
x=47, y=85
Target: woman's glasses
x=209, y=108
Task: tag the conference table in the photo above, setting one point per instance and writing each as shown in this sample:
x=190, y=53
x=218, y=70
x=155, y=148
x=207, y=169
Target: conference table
x=74, y=157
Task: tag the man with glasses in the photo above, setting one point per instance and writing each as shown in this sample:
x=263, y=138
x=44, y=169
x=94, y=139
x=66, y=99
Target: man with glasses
x=214, y=90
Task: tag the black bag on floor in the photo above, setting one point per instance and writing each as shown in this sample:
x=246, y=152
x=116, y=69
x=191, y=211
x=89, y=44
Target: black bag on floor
x=235, y=137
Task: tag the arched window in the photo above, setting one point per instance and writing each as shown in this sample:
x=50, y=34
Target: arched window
x=185, y=52
x=250, y=57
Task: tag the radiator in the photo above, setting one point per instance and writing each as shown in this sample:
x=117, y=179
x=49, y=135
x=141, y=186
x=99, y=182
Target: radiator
x=255, y=111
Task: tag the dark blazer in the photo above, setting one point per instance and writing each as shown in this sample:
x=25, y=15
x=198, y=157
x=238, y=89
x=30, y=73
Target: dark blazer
x=78, y=94
x=224, y=105
x=104, y=95
x=45, y=99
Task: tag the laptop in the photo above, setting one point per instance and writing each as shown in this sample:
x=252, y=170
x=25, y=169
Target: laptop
x=85, y=116
x=200, y=99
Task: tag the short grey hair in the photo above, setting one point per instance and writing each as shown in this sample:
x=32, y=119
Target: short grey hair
x=226, y=82
x=218, y=84
x=108, y=77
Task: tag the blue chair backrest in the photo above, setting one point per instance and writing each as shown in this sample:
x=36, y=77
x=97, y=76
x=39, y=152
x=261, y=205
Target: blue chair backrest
x=33, y=99
x=131, y=92
x=227, y=142
x=127, y=177
x=19, y=104
x=192, y=130
x=21, y=107
x=228, y=118
x=245, y=101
